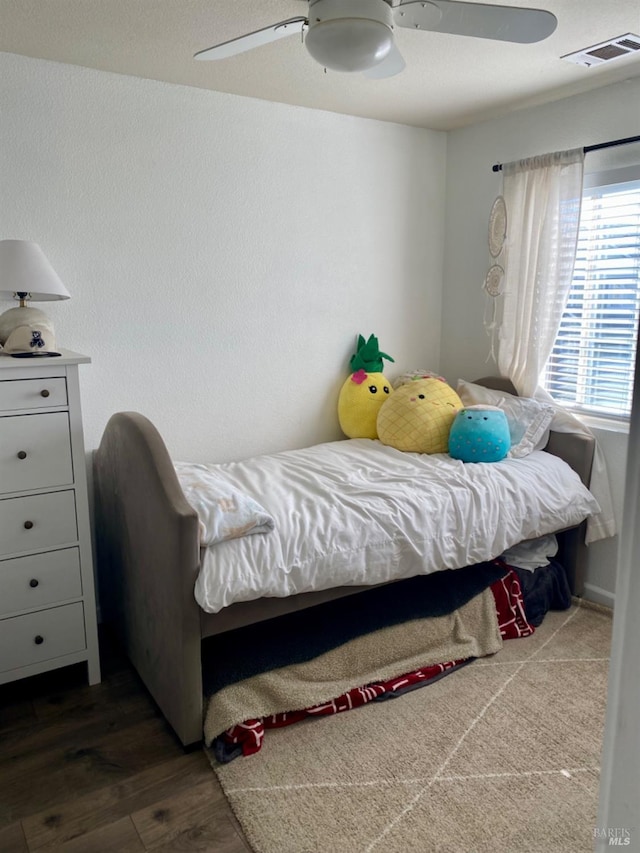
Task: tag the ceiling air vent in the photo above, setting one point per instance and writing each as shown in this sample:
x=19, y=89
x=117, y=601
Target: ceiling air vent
x=606, y=51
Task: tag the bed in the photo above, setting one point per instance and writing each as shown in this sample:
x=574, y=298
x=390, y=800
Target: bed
x=150, y=559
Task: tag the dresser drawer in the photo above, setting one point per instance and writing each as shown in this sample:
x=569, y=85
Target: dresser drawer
x=39, y=580
x=37, y=521
x=35, y=452
x=32, y=393
x=36, y=637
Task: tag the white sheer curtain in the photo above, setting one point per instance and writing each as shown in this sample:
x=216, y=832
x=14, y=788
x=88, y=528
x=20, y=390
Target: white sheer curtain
x=543, y=197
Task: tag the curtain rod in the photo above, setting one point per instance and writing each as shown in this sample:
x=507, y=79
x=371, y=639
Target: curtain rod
x=498, y=166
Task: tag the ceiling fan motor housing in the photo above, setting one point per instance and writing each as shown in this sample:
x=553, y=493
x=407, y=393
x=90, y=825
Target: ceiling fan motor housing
x=349, y=35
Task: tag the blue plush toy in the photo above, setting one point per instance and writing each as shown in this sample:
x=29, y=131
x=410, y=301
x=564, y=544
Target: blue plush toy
x=479, y=434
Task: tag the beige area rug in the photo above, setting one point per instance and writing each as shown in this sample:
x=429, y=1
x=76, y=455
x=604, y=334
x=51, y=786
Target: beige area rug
x=501, y=756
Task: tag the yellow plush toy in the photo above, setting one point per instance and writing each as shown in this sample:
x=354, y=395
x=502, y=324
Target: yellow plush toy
x=364, y=391
x=418, y=417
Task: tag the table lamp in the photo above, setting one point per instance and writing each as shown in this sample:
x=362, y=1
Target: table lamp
x=26, y=275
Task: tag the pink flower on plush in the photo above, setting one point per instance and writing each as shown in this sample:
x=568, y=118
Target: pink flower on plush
x=359, y=376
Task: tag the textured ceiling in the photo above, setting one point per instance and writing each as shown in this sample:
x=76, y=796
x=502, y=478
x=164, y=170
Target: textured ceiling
x=450, y=81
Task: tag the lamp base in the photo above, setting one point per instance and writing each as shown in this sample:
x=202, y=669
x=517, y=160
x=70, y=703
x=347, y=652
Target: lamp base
x=22, y=315
x=34, y=354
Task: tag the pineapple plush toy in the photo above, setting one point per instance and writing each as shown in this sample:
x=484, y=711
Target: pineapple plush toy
x=418, y=417
x=364, y=391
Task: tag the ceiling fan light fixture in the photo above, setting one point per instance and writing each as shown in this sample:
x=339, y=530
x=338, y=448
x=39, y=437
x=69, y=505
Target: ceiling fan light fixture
x=349, y=35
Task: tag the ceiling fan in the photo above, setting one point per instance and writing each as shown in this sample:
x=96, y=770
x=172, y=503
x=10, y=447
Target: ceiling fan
x=358, y=35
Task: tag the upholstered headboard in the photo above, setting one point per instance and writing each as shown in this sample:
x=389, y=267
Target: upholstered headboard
x=577, y=451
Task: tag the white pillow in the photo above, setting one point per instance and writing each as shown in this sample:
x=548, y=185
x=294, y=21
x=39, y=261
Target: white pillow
x=224, y=512
x=532, y=554
x=528, y=419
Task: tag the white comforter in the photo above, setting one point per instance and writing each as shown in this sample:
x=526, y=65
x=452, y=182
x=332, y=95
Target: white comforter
x=357, y=512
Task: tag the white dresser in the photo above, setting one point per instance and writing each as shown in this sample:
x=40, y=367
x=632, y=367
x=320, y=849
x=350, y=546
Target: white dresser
x=47, y=598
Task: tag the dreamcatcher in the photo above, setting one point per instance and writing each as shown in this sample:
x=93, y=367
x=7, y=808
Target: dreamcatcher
x=494, y=279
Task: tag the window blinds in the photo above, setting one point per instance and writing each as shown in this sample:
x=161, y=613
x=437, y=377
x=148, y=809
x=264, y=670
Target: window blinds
x=592, y=364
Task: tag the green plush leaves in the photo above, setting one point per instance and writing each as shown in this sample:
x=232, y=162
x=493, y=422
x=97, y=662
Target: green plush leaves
x=367, y=356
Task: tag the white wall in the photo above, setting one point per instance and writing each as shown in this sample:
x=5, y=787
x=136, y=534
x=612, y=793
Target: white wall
x=222, y=253
x=604, y=114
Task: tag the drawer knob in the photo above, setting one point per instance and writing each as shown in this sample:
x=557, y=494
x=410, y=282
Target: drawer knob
x=33, y=583
x=22, y=454
x=28, y=525
x=38, y=640
x=44, y=393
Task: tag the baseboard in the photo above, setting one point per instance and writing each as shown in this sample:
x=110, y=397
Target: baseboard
x=598, y=595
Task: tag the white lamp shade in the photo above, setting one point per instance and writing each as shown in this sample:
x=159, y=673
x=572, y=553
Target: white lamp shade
x=24, y=268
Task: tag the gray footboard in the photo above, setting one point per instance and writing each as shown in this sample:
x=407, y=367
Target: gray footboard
x=148, y=558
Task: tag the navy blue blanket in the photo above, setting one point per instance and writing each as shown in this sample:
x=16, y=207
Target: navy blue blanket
x=544, y=589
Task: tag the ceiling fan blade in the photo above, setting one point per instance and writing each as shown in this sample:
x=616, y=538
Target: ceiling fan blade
x=392, y=64
x=503, y=23
x=251, y=40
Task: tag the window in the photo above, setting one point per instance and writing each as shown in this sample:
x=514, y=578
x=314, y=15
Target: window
x=591, y=368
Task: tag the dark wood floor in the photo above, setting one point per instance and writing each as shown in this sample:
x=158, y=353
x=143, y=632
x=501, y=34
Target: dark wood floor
x=93, y=769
